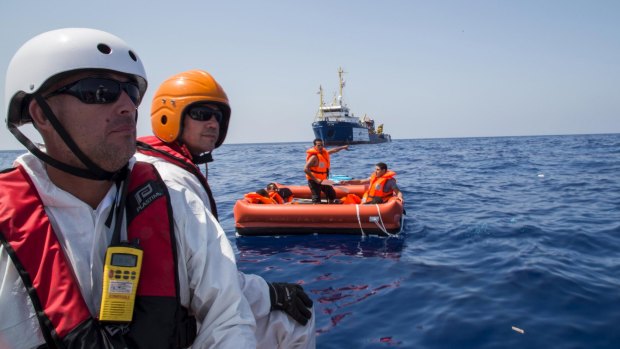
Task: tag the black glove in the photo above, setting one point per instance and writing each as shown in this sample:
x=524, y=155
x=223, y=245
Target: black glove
x=291, y=299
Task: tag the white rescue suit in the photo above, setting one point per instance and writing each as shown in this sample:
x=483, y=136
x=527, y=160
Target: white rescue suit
x=274, y=329
x=206, y=266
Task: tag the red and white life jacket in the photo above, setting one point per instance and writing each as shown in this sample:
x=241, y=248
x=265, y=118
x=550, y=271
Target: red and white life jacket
x=177, y=155
x=159, y=319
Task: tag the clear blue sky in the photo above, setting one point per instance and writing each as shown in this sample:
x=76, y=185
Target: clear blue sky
x=425, y=69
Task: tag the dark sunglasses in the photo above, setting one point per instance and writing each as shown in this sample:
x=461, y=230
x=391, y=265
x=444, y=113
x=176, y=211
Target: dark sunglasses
x=100, y=90
x=204, y=113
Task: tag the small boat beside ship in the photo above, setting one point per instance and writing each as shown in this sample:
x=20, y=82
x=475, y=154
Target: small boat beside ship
x=302, y=217
x=336, y=125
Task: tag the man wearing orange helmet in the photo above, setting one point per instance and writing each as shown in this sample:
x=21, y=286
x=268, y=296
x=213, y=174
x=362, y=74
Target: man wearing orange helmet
x=190, y=114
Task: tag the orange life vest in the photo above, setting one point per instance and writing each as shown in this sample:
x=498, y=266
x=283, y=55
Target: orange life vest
x=256, y=198
x=351, y=199
x=376, y=188
x=276, y=197
x=321, y=170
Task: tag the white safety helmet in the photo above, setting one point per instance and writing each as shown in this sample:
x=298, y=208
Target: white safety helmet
x=42, y=60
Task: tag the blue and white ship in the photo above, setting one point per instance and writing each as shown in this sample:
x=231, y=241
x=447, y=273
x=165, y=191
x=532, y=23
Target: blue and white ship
x=336, y=125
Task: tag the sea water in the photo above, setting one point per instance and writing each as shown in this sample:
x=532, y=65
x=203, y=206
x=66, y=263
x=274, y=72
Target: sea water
x=509, y=242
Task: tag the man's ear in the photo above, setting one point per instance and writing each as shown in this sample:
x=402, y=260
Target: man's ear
x=38, y=116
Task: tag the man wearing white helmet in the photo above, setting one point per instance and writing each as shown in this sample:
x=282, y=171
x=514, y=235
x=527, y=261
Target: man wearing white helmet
x=83, y=205
x=190, y=114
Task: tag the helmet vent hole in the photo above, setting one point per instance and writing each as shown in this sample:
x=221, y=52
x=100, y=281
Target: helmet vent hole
x=105, y=49
x=133, y=56
x=164, y=119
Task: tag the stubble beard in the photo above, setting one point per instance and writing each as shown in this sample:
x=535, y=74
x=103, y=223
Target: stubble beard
x=112, y=157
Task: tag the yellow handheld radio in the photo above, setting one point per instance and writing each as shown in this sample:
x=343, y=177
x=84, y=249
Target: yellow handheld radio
x=121, y=274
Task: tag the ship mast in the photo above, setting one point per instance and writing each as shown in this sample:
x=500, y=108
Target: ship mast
x=341, y=84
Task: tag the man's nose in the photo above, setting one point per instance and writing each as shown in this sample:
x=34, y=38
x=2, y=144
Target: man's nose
x=126, y=105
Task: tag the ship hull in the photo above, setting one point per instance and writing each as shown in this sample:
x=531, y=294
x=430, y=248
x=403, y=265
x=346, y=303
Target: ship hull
x=340, y=133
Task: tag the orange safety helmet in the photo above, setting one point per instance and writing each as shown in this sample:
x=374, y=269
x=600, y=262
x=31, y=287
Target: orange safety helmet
x=177, y=93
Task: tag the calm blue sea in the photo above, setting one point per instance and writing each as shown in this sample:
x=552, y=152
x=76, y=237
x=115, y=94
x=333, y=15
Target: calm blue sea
x=501, y=232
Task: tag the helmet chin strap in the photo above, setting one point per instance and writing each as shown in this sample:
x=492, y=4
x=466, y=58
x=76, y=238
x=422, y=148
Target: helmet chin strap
x=202, y=158
x=92, y=171
x=196, y=159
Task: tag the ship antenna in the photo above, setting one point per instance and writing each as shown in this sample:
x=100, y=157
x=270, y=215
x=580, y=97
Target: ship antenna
x=320, y=93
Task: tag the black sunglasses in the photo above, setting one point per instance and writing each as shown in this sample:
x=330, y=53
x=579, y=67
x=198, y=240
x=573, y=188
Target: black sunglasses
x=99, y=90
x=204, y=113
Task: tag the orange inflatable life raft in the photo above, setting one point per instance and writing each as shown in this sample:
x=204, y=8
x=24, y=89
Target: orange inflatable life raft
x=303, y=217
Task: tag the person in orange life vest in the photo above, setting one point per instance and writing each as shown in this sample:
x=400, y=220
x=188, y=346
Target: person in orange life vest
x=190, y=114
x=260, y=196
x=381, y=185
x=281, y=196
x=317, y=170
x=63, y=205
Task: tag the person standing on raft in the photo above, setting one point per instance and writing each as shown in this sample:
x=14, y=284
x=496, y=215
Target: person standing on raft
x=317, y=170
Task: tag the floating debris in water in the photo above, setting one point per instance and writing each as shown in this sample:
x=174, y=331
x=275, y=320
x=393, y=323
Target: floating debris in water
x=541, y=175
x=516, y=329
x=389, y=341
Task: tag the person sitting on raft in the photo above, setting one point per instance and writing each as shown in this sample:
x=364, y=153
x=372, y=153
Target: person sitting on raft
x=260, y=196
x=381, y=187
x=270, y=195
x=279, y=195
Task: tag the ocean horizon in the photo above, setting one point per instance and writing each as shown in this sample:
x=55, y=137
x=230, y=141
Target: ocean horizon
x=309, y=141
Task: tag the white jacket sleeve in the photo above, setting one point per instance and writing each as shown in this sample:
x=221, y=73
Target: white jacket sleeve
x=256, y=291
x=253, y=286
x=275, y=329
x=209, y=269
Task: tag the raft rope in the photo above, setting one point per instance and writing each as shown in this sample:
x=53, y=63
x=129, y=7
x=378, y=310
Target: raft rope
x=382, y=226
x=379, y=224
x=359, y=220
